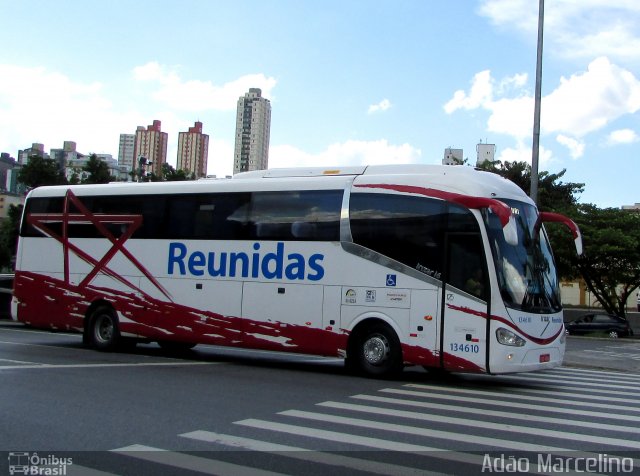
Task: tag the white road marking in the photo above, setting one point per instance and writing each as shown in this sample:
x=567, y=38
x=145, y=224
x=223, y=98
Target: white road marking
x=497, y=413
x=191, y=463
x=542, y=432
x=304, y=454
x=427, y=432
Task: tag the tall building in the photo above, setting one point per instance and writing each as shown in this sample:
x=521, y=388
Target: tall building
x=151, y=143
x=66, y=155
x=126, y=151
x=7, y=163
x=35, y=149
x=193, y=151
x=75, y=167
x=253, y=128
x=452, y=157
x=486, y=152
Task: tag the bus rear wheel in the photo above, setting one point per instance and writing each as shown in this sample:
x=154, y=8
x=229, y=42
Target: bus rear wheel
x=376, y=352
x=103, y=330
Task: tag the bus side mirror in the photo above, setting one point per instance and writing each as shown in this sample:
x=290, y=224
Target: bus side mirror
x=575, y=231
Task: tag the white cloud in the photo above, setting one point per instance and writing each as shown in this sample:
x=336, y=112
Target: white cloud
x=197, y=95
x=574, y=29
x=480, y=93
x=576, y=147
x=622, y=136
x=220, y=161
x=581, y=104
x=383, y=105
x=588, y=101
x=45, y=106
x=513, y=117
x=346, y=153
x=39, y=105
x=516, y=82
x=522, y=153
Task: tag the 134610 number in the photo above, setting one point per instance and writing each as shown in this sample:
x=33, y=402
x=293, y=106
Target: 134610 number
x=472, y=348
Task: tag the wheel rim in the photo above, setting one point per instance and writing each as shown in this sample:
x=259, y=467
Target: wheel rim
x=104, y=329
x=613, y=334
x=376, y=349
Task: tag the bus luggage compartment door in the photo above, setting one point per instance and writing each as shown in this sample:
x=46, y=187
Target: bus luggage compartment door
x=282, y=316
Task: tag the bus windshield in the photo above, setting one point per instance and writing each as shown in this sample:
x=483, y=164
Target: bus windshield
x=526, y=272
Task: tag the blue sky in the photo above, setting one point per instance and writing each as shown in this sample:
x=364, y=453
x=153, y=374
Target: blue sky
x=350, y=81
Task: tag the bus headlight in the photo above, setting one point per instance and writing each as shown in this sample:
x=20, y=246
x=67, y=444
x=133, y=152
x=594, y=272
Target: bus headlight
x=506, y=337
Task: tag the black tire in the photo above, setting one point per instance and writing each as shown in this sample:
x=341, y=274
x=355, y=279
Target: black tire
x=102, y=332
x=375, y=351
x=174, y=346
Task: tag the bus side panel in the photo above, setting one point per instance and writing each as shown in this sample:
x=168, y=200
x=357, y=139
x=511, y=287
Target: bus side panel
x=44, y=301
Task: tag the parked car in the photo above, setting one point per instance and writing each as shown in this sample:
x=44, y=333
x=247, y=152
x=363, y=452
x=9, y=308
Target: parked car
x=600, y=323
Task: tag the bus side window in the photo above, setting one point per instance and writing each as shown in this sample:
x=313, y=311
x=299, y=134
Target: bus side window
x=306, y=215
x=42, y=205
x=407, y=229
x=207, y=216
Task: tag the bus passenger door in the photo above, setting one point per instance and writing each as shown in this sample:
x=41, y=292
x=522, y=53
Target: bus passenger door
x=464, y=319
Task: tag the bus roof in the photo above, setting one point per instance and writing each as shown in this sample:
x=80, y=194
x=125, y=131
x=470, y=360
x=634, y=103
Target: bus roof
x=458, y=179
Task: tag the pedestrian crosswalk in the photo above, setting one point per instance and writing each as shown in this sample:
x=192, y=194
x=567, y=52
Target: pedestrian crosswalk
x=439, y=426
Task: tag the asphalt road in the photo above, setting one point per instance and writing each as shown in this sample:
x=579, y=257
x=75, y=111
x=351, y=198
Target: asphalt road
x=145, y=412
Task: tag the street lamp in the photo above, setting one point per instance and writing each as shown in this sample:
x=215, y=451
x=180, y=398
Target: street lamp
x=142, y=164
x=535, y=150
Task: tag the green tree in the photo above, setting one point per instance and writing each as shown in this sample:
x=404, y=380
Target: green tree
x=172, y=175
x=98, y=171
x=610, y=265
x=9, y=228
x=553, y=194
x=39, y=171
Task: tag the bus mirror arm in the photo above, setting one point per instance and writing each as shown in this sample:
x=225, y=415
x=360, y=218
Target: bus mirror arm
x=546, y=217
x=501, y=209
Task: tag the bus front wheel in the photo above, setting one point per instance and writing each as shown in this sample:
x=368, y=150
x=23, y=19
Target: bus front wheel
x=103, y=329
x=376, y=351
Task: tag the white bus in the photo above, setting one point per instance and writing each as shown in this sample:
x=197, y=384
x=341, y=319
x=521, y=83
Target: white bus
x=385, y=266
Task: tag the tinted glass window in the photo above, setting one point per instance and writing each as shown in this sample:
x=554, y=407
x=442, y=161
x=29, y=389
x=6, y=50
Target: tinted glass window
x=289, y=215
x=296, y=215
x=209, y=217
x=40, y=205
x=408, y=229
x=603, y=318
x=152, y=209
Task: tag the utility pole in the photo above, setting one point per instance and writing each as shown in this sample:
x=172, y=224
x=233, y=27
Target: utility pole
x=535, y=150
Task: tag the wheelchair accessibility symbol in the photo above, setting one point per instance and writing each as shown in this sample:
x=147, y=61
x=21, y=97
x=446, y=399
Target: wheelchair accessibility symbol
x=391, y=279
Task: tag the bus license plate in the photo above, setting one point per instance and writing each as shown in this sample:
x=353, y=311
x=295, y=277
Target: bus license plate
x=545, y=357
